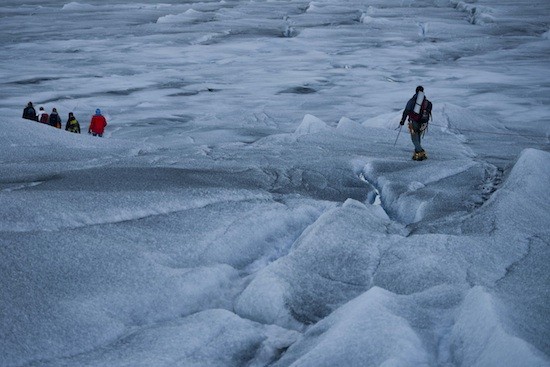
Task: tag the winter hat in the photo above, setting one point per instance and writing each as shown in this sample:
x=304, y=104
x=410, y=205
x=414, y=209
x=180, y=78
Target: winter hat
x=54, y=110
x=98, y=112
x=419, y=89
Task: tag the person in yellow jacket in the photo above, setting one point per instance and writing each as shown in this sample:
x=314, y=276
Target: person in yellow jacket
x=72, y=124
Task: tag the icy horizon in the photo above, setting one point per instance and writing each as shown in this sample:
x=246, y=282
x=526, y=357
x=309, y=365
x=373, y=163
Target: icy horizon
x=252, y=201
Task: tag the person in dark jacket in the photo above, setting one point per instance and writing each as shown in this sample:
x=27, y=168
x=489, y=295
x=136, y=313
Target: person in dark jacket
x=97, y=124
x=29, y=112
x=72, y=124
x=418, y=110
x=55, y=120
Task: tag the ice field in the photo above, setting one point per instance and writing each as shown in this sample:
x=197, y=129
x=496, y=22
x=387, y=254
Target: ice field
x=252, y=202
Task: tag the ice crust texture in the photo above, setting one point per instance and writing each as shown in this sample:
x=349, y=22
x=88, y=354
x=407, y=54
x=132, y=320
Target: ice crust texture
x=247, y=205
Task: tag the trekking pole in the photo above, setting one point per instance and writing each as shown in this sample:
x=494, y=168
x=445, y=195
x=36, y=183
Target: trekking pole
x=427, y=125
x=400, y=126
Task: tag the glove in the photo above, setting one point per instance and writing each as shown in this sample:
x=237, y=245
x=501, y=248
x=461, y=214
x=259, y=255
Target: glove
x=402, y=122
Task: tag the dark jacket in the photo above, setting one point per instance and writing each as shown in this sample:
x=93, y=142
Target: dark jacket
x=29, y=113
x=55, y=120
x=409, y=107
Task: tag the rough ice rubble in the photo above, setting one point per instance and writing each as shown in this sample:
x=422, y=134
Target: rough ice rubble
x=365, y=331
x=517, y=217
x=329, y=264
x=517, y=209
x=443, y=187
x=440, y=261
x=74, y=301
x=430, y=328
x=532, y=249
x=469, y=325
x=423, y=195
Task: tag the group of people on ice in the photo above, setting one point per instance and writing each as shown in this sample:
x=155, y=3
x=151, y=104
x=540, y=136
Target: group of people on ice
x=418, y=110
x=96, y=128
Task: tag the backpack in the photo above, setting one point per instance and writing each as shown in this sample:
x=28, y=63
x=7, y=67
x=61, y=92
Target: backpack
x=425, y=112
x=44, y=118
x=55, y=121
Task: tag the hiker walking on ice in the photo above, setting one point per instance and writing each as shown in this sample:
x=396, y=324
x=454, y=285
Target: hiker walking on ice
x=72, y=124
x=29, y=112
x=419, y=111
x=43, y=116
x=97, y=124
x=55, y=120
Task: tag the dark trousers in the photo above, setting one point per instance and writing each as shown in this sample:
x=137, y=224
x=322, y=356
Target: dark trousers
x=416, y=136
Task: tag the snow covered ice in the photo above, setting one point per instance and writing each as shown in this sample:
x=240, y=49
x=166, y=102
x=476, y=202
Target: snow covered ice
x=247, y=205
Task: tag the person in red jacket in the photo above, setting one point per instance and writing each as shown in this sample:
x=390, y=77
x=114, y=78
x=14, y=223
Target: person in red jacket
x=98, y=123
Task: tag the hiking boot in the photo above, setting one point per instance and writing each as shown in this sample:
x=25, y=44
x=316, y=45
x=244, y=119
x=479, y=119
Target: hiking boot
x=419, y=156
